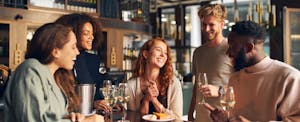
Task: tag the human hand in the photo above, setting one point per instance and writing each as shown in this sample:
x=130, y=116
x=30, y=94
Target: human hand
x=76, y=117
x=209, y=90
x=102, y=105
x=93, y=118
x=238, y=119
x=216, y=115
x=153, y=89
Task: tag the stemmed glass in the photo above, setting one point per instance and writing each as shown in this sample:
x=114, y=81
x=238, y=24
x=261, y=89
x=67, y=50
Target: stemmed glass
x=107, y=84
x=106, y=90
x=108, y=93
x=201, y=79
x=228, y=100
x=123, y=98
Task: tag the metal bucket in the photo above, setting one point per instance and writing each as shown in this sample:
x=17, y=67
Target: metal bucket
x=86, y=94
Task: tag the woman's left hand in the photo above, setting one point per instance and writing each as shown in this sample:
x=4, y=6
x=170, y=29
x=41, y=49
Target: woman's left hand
x=153, y=89
x=102, y=105
x=76, y=117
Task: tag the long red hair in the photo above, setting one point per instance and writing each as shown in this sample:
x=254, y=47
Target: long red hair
x=166, y=72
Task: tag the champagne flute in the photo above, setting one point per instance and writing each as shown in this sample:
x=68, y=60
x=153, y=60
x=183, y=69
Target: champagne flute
x=201, y=79
x=123, y=98
x=228, y=100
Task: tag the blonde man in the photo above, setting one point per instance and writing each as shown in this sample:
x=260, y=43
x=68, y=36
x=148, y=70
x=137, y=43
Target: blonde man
x=211, y=59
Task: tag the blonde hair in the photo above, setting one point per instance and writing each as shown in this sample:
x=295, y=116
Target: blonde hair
x=216, y=10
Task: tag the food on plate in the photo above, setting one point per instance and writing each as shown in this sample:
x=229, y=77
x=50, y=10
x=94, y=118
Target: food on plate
x=162, y=115
x=152, y=117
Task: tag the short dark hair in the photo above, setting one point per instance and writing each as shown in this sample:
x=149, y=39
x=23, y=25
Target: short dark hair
x=250, y=29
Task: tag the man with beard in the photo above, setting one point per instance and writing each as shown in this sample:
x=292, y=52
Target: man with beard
x=265, y=89
x=211, y=59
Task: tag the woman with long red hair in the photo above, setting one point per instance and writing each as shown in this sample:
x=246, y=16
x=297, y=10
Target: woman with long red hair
x=153, y=87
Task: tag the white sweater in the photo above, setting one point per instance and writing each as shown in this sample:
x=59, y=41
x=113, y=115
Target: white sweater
x=174, y=96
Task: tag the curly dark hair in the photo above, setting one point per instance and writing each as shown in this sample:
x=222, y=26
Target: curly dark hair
x=250, y=29
x=77, y=20
x=166, y=72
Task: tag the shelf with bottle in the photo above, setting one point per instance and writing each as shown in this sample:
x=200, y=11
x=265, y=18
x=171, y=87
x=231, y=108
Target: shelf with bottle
x=134, y=10
x=89, y=6
x=131, y=44
x=83, y=5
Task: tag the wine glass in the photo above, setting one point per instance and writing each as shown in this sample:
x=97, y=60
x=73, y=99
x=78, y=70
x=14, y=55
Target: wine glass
x=228, y=100
x=107, y=83
x=201, y=79
x=110, y=96
x=123, y=98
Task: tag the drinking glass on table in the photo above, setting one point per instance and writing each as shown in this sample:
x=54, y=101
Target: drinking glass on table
x=228, y=100
x=201, y=79
x=123, y=98
x=110, y=96
x=107, y=83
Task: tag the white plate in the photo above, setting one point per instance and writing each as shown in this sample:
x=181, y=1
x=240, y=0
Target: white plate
x=148, y=118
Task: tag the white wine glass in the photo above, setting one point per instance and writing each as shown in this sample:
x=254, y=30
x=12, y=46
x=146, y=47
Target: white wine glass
x=228, y=99
x=123, y=98
x=111, y=97
x=201, y=80
x=107, y=83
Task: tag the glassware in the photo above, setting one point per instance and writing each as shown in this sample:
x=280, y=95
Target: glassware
x=201, y=79
x=110, y=94
x=123, y=98
x=106, y=92
x=107, y=84
x=228, y=100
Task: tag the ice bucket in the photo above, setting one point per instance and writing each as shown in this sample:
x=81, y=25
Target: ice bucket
x=86, y=94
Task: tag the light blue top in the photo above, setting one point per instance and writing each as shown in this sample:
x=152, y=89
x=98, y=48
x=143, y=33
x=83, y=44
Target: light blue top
x=32, y=95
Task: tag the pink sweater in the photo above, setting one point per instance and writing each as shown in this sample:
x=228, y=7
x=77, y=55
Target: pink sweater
x=269, y=90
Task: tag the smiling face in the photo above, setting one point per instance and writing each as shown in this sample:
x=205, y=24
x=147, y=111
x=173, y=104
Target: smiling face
x=86, y=38
x=64, y=57
x=157, y=55
x=237, y=51
x=211, y=27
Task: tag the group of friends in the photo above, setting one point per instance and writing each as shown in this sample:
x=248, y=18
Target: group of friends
x=42, y=87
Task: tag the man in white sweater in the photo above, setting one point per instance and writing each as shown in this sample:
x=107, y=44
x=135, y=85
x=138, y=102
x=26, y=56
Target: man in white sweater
x=265, y=89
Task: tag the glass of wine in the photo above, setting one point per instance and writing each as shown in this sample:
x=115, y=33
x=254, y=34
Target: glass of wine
x=201, y=79
x=107, y=84
x=123, y=98
x=110, y=96
x=228, y=99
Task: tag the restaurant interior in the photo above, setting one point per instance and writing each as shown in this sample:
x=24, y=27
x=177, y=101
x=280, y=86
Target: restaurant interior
x=127, y=24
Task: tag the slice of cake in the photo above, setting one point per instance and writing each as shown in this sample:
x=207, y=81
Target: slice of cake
x=162, y=115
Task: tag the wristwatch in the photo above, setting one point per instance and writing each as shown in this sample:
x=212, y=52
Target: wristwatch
x=221, y=91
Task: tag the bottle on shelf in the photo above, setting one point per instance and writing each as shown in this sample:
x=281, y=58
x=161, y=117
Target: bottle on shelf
x=128, y=51
x=134, y=53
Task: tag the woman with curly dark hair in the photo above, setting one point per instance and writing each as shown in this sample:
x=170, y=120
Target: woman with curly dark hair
x=89, y=37
x=153, y=87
